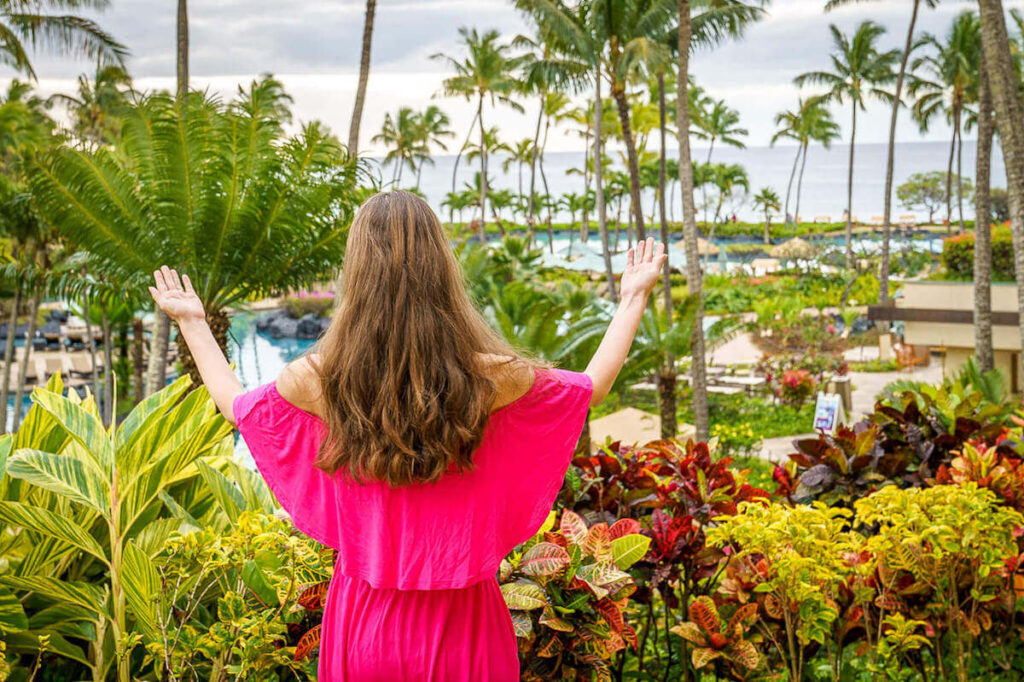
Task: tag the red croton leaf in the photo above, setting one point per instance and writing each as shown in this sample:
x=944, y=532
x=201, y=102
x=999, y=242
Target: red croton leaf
x=611, y=613
x=573, y=527
x=312, y=598
x=704, y=613
x=623, y=527
x=544, y=558
x=309, y=644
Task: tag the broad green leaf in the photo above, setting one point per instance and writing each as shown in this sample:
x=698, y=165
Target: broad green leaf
x=141, y=586
x=39, y=430
x=152, y=536
x=523, y=596
x=45, y=552
x=629, y=549
x=253, y=488
x=12, y=615
x=178, y=511
x=144, y=415
x=254, y=579
x=87, y=596
x=84, y=426
x=47, y=523
x=78, y=480
x=6, y=445
x=60, y=613
x=227, y=496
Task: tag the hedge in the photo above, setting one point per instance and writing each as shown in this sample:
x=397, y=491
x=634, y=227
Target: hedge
x=958, y=255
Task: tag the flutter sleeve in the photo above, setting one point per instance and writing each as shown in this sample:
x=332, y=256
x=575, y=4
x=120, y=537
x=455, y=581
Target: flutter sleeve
x=284, y=442
x=540, y=433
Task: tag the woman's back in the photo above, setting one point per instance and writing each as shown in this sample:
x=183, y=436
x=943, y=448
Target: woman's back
x=436, y=545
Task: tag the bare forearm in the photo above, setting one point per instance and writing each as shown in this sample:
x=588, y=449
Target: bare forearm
x=213, y=367
x=614, y=348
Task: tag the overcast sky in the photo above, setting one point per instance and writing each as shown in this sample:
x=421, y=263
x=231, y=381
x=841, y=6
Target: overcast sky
x=314, y=48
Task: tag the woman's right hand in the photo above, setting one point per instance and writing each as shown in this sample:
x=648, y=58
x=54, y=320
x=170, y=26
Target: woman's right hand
x=175, y=296
x=643, y=268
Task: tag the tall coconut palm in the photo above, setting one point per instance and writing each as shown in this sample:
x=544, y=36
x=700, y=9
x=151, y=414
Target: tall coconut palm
x=94, y=110
x=720, y=123
x=487, y=73
x=816, y=125
x=364, y=78
x=860, y=71
x=401, y=136
x=1009, y=121
x=250, y=213
x=982, y=222
x=890, y=160
x=431, y=131
x=767, y=201
x=53, y=25
x=943, y=82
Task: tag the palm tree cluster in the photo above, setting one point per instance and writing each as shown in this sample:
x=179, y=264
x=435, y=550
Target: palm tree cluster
x=410, y=136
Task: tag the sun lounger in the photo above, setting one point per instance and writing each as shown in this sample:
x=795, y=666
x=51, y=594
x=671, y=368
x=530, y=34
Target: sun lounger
x=81, y=364
x=822, y=218
x=53, y=364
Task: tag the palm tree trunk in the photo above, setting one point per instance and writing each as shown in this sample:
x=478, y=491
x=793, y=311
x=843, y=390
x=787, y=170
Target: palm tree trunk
x=585, y=224
x=767, y=228
x=544, y=181
x=800, y=185
x=667, y=376
x=364, y=77
x=534, y=153
x=30, y=333
x=12, y=324
x=138, y=371
x=602, y=218
x=792, y=176
x=883, y=277
x=182, y=48
x=982, y=231
x=1009, y=120
x=91, y=340
x=458, y=156
x=108, y=371
x=619, y=94
x=220, y=326
x=959, y=171
x=156, y=370
x=483, y=172
x=849, y=193
x=949, y=182
x=693, y=274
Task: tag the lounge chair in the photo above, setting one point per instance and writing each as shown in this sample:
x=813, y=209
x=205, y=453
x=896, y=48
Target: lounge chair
x=53, y=365
x=81, y=364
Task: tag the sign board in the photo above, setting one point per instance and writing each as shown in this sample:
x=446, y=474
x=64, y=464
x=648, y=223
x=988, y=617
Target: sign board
x=828, y=411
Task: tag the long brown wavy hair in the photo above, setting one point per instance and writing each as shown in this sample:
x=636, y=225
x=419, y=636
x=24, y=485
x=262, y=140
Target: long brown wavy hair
x=407, y=366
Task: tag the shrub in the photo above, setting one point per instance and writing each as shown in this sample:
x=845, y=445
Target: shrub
x=567, y=589
x=796, y=386
x=958, y=255
x=305, y=304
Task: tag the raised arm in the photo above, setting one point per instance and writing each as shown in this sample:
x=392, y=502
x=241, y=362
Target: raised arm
x=176, y=297
x=643, y=267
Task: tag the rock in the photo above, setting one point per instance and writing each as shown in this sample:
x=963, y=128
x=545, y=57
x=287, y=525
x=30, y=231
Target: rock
x=284, y=328
x=266, y=322
x=308, y=327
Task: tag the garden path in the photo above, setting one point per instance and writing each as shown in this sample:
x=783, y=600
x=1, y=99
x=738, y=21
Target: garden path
x=866, y=385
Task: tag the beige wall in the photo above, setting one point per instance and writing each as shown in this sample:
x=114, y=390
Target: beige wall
x=958, y=339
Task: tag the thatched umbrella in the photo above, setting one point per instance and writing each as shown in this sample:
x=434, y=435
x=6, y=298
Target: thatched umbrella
x=704, y=247
x=794, y=249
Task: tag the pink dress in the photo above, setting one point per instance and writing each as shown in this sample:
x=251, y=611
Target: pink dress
x=414, y=594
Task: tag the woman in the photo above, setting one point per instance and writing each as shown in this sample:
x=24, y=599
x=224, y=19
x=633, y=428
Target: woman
x=417, y=443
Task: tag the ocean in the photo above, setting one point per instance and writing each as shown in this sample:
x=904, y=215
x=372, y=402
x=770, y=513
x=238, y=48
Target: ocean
x=824, y=185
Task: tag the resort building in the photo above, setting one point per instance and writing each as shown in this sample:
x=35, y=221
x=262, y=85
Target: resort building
x=939, y=316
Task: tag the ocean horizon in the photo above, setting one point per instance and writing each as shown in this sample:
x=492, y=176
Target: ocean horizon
x=824, y=185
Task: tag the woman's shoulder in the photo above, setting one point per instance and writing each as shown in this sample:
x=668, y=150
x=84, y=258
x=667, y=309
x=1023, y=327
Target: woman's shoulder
x=299, y=384
x=512, y=377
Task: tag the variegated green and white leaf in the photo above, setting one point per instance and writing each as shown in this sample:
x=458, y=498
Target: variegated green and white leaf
x=12, y=614
x=45, y=522
x=523, y=596
x=88, y=597
x=82, y=424
x=226, y=494
x=76, y=479
x=60, y=613
x=141, y=586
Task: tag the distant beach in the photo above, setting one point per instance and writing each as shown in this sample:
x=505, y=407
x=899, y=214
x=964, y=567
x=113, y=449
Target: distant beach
x=824, y=186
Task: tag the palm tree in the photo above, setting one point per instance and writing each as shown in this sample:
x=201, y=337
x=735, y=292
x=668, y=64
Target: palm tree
x=46, y=24
x=1009, y=121
x=249, y=214
x=431, y=130
x=810, y=122
x=982, y=222
x=720, y=123
x=727, y=178
x=94, y=111
x=768, y=202
x=519, y=154
x=860, y=71
x=400, y=134
x=943, y=82
x=487, y=74
x=364, y=77
x=883, y=279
